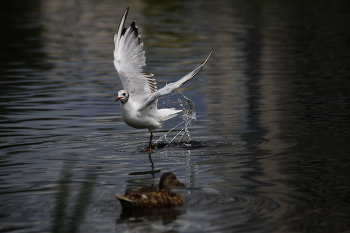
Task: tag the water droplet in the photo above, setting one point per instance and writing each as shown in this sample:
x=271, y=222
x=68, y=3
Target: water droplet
x=188, y=116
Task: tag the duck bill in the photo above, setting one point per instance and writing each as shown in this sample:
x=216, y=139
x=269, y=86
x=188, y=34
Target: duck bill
x=180, y=185
x=118, y=98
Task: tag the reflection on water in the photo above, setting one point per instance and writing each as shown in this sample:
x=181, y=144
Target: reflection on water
x=62, y=220
x=269, y=148
x=166, y=215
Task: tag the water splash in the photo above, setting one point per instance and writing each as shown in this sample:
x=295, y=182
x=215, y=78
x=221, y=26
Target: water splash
x=188, y=116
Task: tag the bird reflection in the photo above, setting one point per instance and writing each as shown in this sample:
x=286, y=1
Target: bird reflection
x=152, y=164
x=152, y=171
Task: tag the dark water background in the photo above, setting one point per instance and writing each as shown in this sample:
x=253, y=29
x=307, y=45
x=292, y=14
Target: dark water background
x=270, y=146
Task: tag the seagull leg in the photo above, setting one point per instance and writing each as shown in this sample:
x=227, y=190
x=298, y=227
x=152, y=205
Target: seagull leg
x=149, y=148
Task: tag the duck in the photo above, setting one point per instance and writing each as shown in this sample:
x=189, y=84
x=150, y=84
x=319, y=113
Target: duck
x=153, y=197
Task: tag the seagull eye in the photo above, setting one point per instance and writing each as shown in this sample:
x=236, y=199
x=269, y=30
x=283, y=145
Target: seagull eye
x=124, y=94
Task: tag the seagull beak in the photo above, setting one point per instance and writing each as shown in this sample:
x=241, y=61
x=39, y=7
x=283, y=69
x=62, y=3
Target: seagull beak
x=118, y=98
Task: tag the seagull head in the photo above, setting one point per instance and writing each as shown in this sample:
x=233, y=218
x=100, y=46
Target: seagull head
x=123, y=96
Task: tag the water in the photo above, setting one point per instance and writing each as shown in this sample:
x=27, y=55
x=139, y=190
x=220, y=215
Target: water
x=269, y=149
x=183, y=136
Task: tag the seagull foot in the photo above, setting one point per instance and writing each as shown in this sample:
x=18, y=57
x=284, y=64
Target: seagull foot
x=148, y=149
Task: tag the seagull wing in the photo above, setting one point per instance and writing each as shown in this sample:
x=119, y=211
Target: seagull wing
x=172, y=86
x=129, y=58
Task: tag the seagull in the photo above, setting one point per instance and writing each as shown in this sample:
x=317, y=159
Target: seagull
x=139, y=98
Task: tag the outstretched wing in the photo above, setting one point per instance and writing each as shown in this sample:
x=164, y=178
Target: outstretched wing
x=172, y=86
x=129, y=58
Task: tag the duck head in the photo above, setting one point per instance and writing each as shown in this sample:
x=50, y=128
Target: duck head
x=168, y=181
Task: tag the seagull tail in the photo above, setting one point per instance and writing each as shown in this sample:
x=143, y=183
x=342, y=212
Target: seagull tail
x=168, y=113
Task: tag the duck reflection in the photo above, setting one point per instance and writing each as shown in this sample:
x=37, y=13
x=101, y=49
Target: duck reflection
x=167, y=215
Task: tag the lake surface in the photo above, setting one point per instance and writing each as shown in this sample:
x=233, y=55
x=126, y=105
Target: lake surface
x=269, y=148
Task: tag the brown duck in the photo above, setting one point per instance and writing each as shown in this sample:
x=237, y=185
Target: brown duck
x=150, y=197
